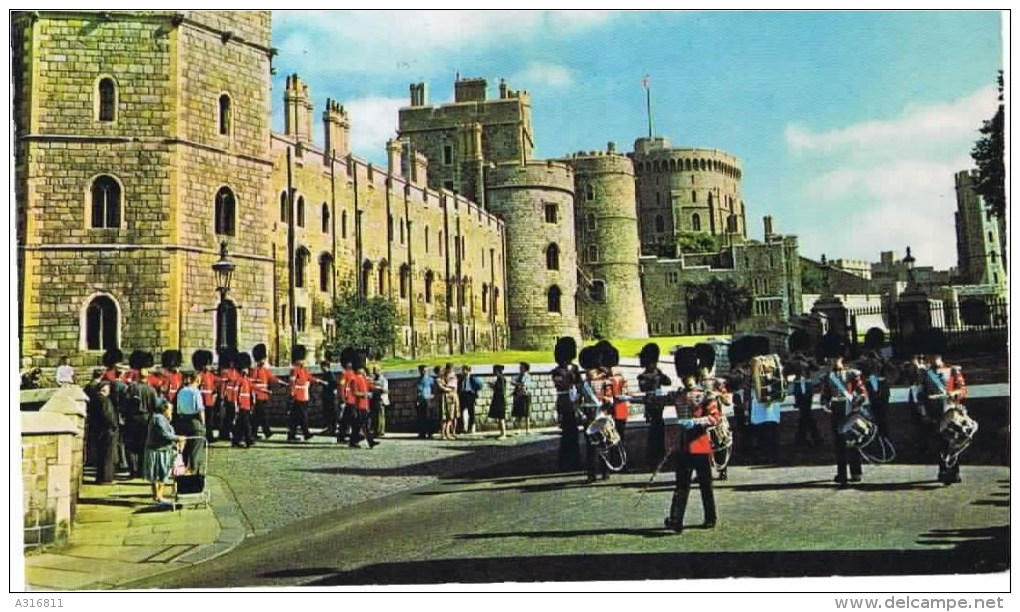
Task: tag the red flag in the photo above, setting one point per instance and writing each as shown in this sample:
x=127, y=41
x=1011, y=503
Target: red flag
x=644, y=81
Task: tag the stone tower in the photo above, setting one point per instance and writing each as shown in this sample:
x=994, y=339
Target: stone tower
x=141, y=143
x=297, y=105
x=977, y=236
x=463, y=138
x=610, y=299
x=686, y=190
x=536, y=202
x=337, y=129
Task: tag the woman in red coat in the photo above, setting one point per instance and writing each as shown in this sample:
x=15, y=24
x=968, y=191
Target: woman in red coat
x=694, y=455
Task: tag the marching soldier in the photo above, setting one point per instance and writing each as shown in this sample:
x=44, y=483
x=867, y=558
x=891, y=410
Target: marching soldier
x=873, y=369
x=944, y=389
x=652, y=382
x=111, y=359
x=262, y=377
x=208, y=385
x=616, y=391
x=800, y=367
x=300, y=393
x=565, y=382
x=361, y=389
x=913, y=374
x=697, y=413
x=228, y=393
x=171, y=377
x=244, y=391
x=765, y=410
x=842, y=390
x=739, y=381
x=348, y=416
x=330, y=389
x=593, y=406
x=720, y=435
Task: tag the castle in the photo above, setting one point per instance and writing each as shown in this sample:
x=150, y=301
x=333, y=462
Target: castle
x=143, y=142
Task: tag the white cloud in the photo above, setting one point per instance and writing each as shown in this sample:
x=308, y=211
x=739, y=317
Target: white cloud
x=373, y=122
x=917, y=127
x=542, y=75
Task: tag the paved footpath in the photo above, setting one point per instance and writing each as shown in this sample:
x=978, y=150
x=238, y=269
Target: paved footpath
x=120, y=537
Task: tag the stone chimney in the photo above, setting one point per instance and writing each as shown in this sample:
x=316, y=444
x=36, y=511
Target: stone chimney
x=297, y=110
x=337, y=129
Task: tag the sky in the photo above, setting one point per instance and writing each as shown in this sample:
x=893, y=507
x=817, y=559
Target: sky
x=849, y=125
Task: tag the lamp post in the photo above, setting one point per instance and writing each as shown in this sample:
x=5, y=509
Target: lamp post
x=908, y=261
x=224, y=271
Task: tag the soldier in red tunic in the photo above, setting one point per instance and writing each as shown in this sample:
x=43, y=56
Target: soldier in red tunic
x=244, y=389
x=171, y=378
x=208, y=384
x=300, y=393
x=943, y=389
x=262, y=377
x=844, y=393
x=227, y=393
x=361, y=389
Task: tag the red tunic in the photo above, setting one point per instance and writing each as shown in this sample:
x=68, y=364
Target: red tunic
x=300, y=383
x=618, y=387
x=708, y=411
x=155, y=381
x=245, y=392
x=207, y=382
x=261, y=376
x=360, y=390
x=346, y=381
x=830, y=392
x=130, y=376
x=172, y=384
x=228, y=380
x=111, y=375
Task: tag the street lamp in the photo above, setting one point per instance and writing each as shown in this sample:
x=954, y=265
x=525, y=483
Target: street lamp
x=224, y=271
x=908, y=261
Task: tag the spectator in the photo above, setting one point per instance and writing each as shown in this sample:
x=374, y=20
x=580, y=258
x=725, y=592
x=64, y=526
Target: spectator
x=105, y=434
x=423, y=399
x=65, y=373
x=160, y=451
x=522, y=398
x=468, y=394
x=450, y=402
x=190, y=422
x=380, y=401
x=497, y=407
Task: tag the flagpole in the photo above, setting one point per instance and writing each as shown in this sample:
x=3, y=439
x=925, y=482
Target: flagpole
x=648, y=104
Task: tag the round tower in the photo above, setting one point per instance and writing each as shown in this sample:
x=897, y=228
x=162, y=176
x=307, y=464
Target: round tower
x=684, y=189
x=536, y=203
x=610, y=300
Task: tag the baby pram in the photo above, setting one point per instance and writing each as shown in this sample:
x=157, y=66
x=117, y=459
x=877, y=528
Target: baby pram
x=192, y=488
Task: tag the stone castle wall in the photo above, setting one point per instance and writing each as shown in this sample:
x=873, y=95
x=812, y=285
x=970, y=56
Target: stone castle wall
x=520, y=195
x=607, y=245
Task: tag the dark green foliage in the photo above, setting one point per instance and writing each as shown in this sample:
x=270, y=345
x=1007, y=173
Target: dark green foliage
x=721, y=303
x=368, y=324
x=989, y=156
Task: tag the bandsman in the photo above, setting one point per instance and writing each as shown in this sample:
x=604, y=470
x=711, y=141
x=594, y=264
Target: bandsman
x=262, y=377
x=842, y=390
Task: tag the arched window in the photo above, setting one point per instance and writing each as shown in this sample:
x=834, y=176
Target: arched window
x=696, y=222
x=660, y=223
x=426, y=239
x=591, y=222
x=672, y=165
x=325, y=218
x=382, y=278
x=593, y=253
x=389, y=228
x=694, y=196
x=495, y=301
x=226, y=311
x=554, y=298
x=283, y=207
x=102, y=324
x=107, y=103
x=401, y=231
x=301, y=211
x=366, y=275
x=105, y=202
x=485, y=297
x=589, y=192
x=325, y=272
x=225, y=212
x=440, y=243
x=224, y=115
x=405, y=277
x=598, y=291
x=552, y=257
x=343, y=224
x=687, y=165
x=300, y=262
x=429, y=277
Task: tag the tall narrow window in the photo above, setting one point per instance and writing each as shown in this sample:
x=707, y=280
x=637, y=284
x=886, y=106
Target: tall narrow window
x=485, y=297
x=593, y=253
x=107, y=99
x=401, y=231
x=554, y=298
x=383, y=274
x=426, y=239
x=283, y=207
x=660, y=224
x=591, y=222
x=225, y=212
x=343, y=224
x=224, y=115
x=598, y=291
x=429, y=277
x=447, y=155
x=301, y=211
x=405, y=275
x=694, y=196
x=300, y=261
x=589, y=192
x=301, y=320
x=325, y=218
x=440, y=244
x=552, y=257
x=325, y=272
x=551, y=214
x=101, y=324
x=696, y=222
x=389, y=228
x=105, y=202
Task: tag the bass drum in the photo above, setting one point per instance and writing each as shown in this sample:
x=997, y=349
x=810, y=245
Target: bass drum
x=957, y=428
x=858, y=430
x=767, y=378
x=602, y=432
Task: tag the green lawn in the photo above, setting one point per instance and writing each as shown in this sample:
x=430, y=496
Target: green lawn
x=629, y=347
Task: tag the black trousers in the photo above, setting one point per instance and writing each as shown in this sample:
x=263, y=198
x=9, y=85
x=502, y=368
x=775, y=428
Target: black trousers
x=595, y=463
x=421, y=413
x=330, y=416
x=347, y=422
x=467, y=402
x=298, y=419
x=260, y=417
x=656, y=445
x=701, y=465
x=211, y=421
x=194, y=450
x=806, y=425
x=844, y=456
x=243, y=432
x=570, y=449
x=768, y=441
x=227, y=415
x=362, y=426
x=879, y=412
x=134, y=433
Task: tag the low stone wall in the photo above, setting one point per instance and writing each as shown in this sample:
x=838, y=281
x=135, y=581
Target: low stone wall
x=52, y=465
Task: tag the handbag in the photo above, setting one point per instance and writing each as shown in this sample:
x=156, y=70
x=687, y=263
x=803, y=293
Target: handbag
x=178, y=469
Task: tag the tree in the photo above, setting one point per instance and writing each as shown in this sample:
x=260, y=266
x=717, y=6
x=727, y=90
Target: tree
x=698, y=242
x=368, y=324
x=720, y=303
x=989, y=155
x=812, y=278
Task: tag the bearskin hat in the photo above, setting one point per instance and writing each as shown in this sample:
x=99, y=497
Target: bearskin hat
x=347, y=356
x=706, y=355
x=933, y=341
x=649, y=355
x=243, y=361
x=589, y=358
x=565, y=350
x=227, y=357
x=686, y=361
x=799, y=341
x=609, y=355
x=832, y=345
x=874, y=339
x=359, y=359
x=112, y=357
x=200, y=359
x=170, y=359
x=140, y=359
x=760, y=346
x=298, y=352
x=258, y=352
x=740, y=350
